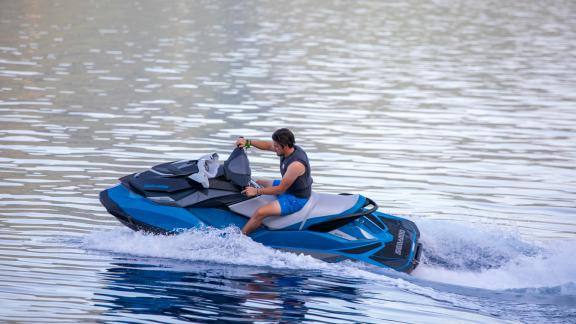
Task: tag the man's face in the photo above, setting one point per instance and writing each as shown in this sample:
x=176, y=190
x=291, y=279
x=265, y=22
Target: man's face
x=279, y=149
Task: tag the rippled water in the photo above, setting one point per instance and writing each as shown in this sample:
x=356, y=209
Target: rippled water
x=457, y=114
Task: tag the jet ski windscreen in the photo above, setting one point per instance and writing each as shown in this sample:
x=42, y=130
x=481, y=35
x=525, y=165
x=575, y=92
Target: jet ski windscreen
x=237, y=168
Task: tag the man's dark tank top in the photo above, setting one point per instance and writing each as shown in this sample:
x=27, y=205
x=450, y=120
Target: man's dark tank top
x=302, y=186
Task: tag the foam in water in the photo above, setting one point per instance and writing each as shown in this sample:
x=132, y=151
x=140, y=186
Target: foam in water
x=455, y=254
x=230, y=247
x=226, y=246
x=493, y=259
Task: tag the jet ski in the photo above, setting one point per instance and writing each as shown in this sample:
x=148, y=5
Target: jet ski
x=182, y=195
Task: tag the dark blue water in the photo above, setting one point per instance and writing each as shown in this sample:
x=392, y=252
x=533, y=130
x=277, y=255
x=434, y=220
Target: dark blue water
x=202, y=292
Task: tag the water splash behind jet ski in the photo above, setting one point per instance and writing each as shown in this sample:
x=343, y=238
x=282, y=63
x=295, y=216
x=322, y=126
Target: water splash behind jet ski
x=177, y=196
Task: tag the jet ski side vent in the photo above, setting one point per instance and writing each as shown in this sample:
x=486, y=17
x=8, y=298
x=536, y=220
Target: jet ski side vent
x=376, y=221
x=362, y=249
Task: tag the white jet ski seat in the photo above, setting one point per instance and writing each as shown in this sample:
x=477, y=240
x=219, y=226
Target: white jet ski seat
x=321, y=207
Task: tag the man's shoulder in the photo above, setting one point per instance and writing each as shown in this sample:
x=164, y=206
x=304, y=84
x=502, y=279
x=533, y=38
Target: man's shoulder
x=296, y=164
x=299, y=148
x=300, y=156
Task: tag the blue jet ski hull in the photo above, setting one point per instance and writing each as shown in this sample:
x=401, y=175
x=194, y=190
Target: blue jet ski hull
x=375, y=238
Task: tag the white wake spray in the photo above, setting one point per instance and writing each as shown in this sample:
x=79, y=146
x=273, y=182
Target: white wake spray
x=493, y=259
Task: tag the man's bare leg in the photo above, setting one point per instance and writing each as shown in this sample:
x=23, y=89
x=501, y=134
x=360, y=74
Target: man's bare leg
x=272, y=209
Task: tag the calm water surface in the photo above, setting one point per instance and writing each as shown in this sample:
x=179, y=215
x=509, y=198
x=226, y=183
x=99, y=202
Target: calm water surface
x=460, y=115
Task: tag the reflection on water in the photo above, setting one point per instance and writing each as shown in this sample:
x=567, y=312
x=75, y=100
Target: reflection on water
x=440, y=110
x=205, y=293
x=137, y=290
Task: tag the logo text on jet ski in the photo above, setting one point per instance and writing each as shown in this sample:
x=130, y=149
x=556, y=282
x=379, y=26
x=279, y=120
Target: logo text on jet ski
x=400, y=242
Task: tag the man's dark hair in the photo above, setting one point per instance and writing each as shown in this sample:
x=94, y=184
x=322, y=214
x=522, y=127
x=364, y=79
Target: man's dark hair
x=284, y=137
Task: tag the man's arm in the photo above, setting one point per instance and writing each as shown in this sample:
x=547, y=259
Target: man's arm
x=295, y=169
x=263, y=145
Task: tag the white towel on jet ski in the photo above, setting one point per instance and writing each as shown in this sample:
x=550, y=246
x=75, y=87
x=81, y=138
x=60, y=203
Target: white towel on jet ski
x=207, y=169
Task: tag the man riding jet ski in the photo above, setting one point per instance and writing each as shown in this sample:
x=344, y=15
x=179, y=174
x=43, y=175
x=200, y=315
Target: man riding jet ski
x=182, y=195
x=295, y=188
